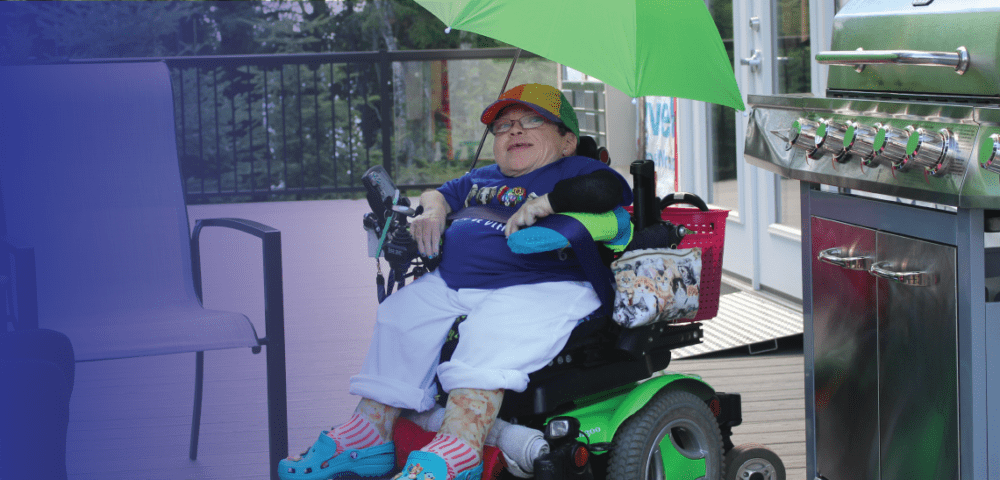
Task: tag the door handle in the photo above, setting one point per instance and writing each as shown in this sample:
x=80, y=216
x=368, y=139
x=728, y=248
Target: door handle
x=753, y=61
x=835, y=256
x=915, y=279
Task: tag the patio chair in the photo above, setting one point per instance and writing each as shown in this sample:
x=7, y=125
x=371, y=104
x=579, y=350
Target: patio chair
x=91, y=189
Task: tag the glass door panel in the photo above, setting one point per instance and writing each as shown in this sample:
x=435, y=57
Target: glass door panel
x=793, y=76
x=724, y=191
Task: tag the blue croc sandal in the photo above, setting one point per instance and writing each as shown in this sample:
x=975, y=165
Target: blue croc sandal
x=321, y=462
x=430, y=466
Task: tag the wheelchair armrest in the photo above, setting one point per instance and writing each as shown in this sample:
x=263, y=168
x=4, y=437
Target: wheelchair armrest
x=274, y=310
x=20, y=282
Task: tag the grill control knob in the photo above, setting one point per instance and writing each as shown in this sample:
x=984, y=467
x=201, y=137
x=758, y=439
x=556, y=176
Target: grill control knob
x=830, y=139
x=890, y=146
x=927, y=149
x=858, y=141
x=803, y=135
x=989, y=153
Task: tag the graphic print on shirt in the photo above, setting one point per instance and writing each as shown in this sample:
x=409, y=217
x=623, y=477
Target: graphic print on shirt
x=486, y=195
x=505, y=195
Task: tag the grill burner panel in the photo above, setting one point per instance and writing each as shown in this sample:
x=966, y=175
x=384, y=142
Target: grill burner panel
x=940, y=153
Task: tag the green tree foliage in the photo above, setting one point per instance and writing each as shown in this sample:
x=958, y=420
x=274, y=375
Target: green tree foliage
x=47, y=31
x=417, y=29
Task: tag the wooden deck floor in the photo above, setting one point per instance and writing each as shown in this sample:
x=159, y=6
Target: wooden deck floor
x=130, y=418
x=771, y=387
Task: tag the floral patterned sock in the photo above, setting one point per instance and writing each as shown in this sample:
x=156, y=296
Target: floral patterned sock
x=467, y=419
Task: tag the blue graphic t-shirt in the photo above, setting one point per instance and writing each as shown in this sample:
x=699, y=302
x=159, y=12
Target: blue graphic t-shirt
x=475, y=253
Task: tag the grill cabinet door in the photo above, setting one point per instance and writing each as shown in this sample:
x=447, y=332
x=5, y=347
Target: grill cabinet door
x=845, y=339
x=918, y=361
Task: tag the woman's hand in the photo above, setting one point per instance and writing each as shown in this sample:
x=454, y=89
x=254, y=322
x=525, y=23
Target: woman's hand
x=529, y=213
x=428, y=227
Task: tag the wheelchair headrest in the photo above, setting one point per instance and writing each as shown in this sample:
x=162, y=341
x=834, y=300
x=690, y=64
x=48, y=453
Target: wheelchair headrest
x=587, y=147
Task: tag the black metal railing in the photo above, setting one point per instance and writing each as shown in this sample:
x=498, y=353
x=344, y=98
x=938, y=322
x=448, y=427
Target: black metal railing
x=279, y=124
x=293, y=126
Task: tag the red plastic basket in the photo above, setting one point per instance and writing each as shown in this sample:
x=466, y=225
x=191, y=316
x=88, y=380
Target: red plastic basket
x=708, y=231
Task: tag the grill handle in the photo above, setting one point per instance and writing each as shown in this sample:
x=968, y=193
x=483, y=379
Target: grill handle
x=915, y=279
x=834, y=256
x=959, y=59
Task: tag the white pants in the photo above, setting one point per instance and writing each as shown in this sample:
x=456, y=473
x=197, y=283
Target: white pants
x=509, y=333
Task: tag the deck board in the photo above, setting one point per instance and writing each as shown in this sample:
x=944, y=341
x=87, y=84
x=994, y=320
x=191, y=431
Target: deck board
x=130, y=418
x=771, y=388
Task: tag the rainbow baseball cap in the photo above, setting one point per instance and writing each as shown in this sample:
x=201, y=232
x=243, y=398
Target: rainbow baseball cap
x=547, y=101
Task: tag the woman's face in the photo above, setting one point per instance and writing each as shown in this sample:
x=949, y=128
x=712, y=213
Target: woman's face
x=519, y=151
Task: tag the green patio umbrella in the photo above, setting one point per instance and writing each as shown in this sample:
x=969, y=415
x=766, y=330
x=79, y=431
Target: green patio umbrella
x=669, y=48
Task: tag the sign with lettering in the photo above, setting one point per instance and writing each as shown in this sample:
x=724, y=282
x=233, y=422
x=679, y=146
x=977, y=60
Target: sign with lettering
x=661, y=141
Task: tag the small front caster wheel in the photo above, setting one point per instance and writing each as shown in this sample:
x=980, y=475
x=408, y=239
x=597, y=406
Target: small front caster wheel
x=753, y=462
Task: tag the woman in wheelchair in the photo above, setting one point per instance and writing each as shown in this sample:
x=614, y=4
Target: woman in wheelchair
x=521, y=308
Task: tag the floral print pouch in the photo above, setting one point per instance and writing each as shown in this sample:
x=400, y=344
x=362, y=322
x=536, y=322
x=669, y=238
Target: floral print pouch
x=656, y=285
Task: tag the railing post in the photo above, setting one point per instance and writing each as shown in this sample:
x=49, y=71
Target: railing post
x=385, y=93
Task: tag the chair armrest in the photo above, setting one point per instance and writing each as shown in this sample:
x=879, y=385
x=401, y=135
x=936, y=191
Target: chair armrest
x=274, y=308
x=274, y=322
x=21, y=283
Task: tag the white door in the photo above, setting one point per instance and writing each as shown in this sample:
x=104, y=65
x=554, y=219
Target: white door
x=770, y=44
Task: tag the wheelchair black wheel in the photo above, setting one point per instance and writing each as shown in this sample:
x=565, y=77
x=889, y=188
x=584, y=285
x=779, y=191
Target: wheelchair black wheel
x=753, y=462
x=674, y=436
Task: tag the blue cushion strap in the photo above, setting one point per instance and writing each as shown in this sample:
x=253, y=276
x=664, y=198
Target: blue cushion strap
x=585, y=249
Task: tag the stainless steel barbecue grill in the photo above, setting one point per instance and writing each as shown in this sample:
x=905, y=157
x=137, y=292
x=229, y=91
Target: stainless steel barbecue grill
x=900, y=171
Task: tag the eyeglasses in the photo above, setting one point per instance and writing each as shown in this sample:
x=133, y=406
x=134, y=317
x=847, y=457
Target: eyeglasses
x=527, y=122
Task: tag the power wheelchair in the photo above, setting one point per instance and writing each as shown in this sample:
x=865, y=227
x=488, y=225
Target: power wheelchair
x=605, y=404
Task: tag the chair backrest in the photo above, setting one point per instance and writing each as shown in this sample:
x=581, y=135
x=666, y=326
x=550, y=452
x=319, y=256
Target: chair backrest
x=90, y=179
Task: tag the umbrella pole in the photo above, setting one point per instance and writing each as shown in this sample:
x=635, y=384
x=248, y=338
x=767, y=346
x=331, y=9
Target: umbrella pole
x=502, y=89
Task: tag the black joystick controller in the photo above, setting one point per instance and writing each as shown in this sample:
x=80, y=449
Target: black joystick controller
x=381, y=191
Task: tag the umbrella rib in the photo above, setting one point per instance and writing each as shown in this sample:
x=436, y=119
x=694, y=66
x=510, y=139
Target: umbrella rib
x=635, y=46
